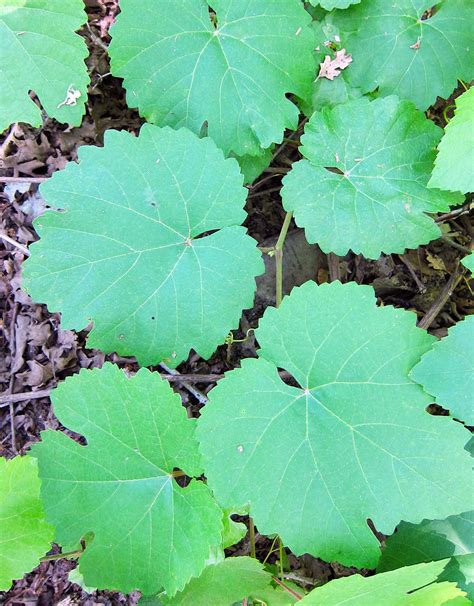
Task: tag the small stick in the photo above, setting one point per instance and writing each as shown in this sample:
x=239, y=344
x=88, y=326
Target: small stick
x=261, y=182
x=287, y=589
x=23, y=249
x=444, y=295
x=334, y=268
x=454, y=244
x=201, y=398
x=454, y=213
x=285, y=143
x=277, y=170
x=270, y=190
x=23, y=179
x=253, y=551
x=416, y=279
x=5, y=399
x=279, y=257
x=45, y=393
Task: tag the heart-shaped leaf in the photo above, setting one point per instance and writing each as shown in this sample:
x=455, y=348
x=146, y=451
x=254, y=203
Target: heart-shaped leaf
x=409, y=47
x=447, y=371
x=453, y=166
x=352, y=442
x=410, y=586
x=148, y=532
x=40, y=51
x=25, y=536
x=125, y=250
x=232, y=69
x=362, y=184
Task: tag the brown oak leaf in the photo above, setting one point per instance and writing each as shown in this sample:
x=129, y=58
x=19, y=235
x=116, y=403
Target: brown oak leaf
x=330, y=68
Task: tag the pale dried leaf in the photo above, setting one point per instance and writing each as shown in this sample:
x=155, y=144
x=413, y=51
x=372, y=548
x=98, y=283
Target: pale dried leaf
x=330, y=68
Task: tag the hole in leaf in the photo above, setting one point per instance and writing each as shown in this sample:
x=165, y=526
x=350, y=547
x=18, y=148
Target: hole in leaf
x=180, y=477
x=288, y=378
x=334, y=169
x=430, y=12
x=205, y=234
x=213, y=18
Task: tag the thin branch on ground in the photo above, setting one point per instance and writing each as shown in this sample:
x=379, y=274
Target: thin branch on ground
x=21, y=247
x=421, y=287
x=23, y=179
x=440, y=301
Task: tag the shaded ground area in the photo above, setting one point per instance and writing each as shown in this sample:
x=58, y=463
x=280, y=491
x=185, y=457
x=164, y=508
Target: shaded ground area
x=36, y=354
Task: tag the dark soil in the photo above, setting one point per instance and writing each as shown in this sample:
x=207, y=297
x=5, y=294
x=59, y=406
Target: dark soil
x=37, y=353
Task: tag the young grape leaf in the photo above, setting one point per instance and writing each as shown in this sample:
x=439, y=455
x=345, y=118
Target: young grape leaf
x=352, y=442
x=410, y=586
x=148, y=532
x=233, y=531
x=183, y=66
x=125, y=251
x=447, y=371
x=253, y=166
x=407, y=48
x=454, y=163
x=41, y=52
x=25, y=536
x=229, y=582
x=435, y=540
x=362, y=184
x=329, y=5
x=469, y=262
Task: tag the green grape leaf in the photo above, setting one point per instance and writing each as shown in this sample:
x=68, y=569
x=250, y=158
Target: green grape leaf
x=149, y=532
x=182, y=67
x=25, y=536
x=353, y=442
x=228, y=582
x=455, y=159
x=410, y=586
x=233, y=531
x=362, y=182
x=40, y=51
x=401, y=49
x=447, y=371
x=125, y=250
x=435, y=540
x=469, y=262
x=329, y=5
x=253, y=166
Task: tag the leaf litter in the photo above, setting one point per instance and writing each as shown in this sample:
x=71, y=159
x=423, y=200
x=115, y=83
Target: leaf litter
x=42, y=354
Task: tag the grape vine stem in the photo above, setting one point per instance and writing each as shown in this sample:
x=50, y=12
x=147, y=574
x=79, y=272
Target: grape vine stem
x=279, y=257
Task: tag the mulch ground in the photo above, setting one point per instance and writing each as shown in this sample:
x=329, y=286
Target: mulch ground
x=36, y=353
